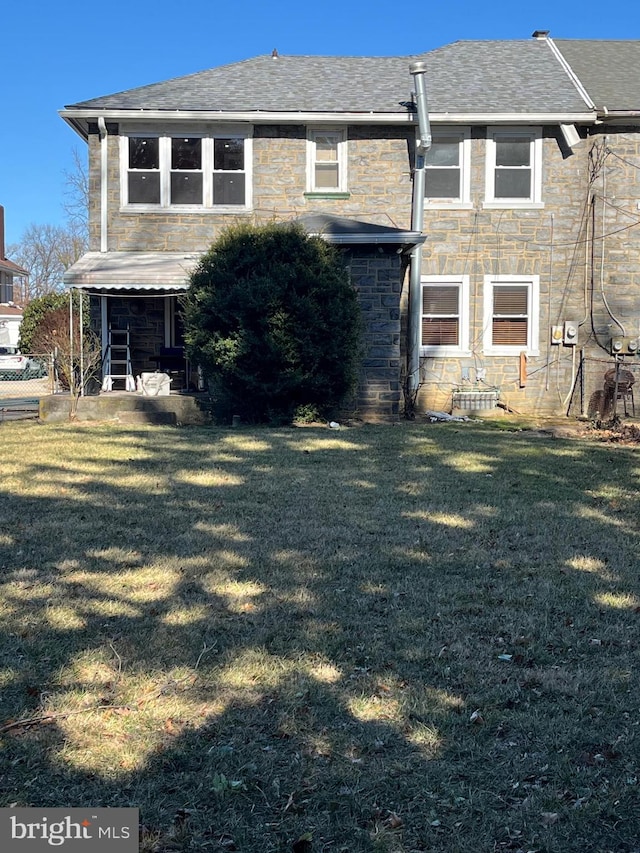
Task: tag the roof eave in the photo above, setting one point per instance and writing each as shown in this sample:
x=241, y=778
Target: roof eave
x=400, y=238
x=77, y=119
x=607, y=115
x=8, y=266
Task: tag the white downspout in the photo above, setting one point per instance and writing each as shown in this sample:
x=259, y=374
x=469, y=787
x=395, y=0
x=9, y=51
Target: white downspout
x=104, y=187
x=417, y=69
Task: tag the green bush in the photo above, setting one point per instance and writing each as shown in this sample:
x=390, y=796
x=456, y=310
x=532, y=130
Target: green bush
x=37, y=311
x=273, y=321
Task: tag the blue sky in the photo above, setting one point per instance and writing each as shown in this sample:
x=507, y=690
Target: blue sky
x=60, y=53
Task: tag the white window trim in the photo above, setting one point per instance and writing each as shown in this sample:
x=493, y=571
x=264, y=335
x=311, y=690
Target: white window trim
x=462, y=350
x=312, y=132
x=207, y=170
x=534, y=202
x=464, y=202
x=533, y=308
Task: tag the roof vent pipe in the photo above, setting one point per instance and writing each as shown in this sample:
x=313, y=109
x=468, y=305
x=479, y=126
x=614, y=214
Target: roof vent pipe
x=417, y=69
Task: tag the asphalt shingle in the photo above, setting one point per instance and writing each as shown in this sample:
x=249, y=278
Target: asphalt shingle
x=608, y=70
x=519, y=76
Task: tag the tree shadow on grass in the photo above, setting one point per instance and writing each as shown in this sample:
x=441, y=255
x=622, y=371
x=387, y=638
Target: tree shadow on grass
x=369, y=643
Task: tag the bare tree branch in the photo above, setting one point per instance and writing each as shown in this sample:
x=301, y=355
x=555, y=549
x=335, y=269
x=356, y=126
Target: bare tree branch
x=76, y=204
x=46, y=251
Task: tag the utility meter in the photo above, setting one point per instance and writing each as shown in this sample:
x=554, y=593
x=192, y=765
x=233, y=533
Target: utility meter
x=570, y=333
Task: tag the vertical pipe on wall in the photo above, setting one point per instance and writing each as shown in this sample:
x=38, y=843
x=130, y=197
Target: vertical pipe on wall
x=582, y=407
x=550, y=285
x=417, y=69
x=104, y=186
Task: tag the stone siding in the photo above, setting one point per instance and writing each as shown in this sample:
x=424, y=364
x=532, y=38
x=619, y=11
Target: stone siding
x=377, y=277
x=379, y=190
x=593, y=191
x=553, y=243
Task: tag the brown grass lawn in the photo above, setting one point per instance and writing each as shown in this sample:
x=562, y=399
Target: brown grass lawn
x=410, y=638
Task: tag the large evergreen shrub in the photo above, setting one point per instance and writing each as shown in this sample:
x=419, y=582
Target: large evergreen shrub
x=273, y=321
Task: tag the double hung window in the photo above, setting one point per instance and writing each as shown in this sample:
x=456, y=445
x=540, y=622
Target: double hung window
x=511, y=306
x=514, y=167
x=327, y=163
x=447, y=165
x=6, y=287
x=445, y=315
x=185, y=171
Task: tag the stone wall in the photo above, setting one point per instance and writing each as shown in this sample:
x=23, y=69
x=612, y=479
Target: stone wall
x=144, y=317
x=580, y=279
x=593, y=191
x=378, y=177
x=377, y=277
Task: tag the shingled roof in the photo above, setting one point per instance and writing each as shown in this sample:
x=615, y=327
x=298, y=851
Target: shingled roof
x=609, y=71
x=520, y=76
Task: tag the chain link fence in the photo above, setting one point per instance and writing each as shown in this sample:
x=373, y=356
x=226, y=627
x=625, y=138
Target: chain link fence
x=606, y=388
x=25, y=375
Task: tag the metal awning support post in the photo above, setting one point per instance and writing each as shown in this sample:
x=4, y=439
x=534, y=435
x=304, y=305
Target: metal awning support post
x=81, y=337
x=71, y=340
x=417, y=69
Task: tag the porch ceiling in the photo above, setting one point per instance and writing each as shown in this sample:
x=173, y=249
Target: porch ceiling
x=162, y=272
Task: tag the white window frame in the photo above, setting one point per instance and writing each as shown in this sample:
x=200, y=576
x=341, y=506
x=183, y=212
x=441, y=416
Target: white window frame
x=207, y=169
x=534, y=200
x=464, y=160
x=533, y=314
x=341, y=138
x=449, y=351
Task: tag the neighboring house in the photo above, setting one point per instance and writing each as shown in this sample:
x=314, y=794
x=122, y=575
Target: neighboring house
x=530, y=263
x=10, y=313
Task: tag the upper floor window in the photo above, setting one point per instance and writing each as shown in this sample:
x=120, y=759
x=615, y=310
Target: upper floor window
x=447, y=166
x=229, y=176
x=327, y=161
x=6, y=287
x=445, y=315
x=185, y=171
x=511, y=309
x=144, y=170
x=514, y=167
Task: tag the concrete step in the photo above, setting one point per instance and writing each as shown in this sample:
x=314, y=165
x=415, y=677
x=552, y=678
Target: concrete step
x=180, y=409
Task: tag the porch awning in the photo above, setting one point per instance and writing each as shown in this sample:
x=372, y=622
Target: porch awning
x=159, y=272
x=341, y=231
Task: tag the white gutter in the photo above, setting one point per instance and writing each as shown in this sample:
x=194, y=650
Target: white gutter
x=423, y=144
x=104, y=187
x=399, y=239
x=75, y=117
